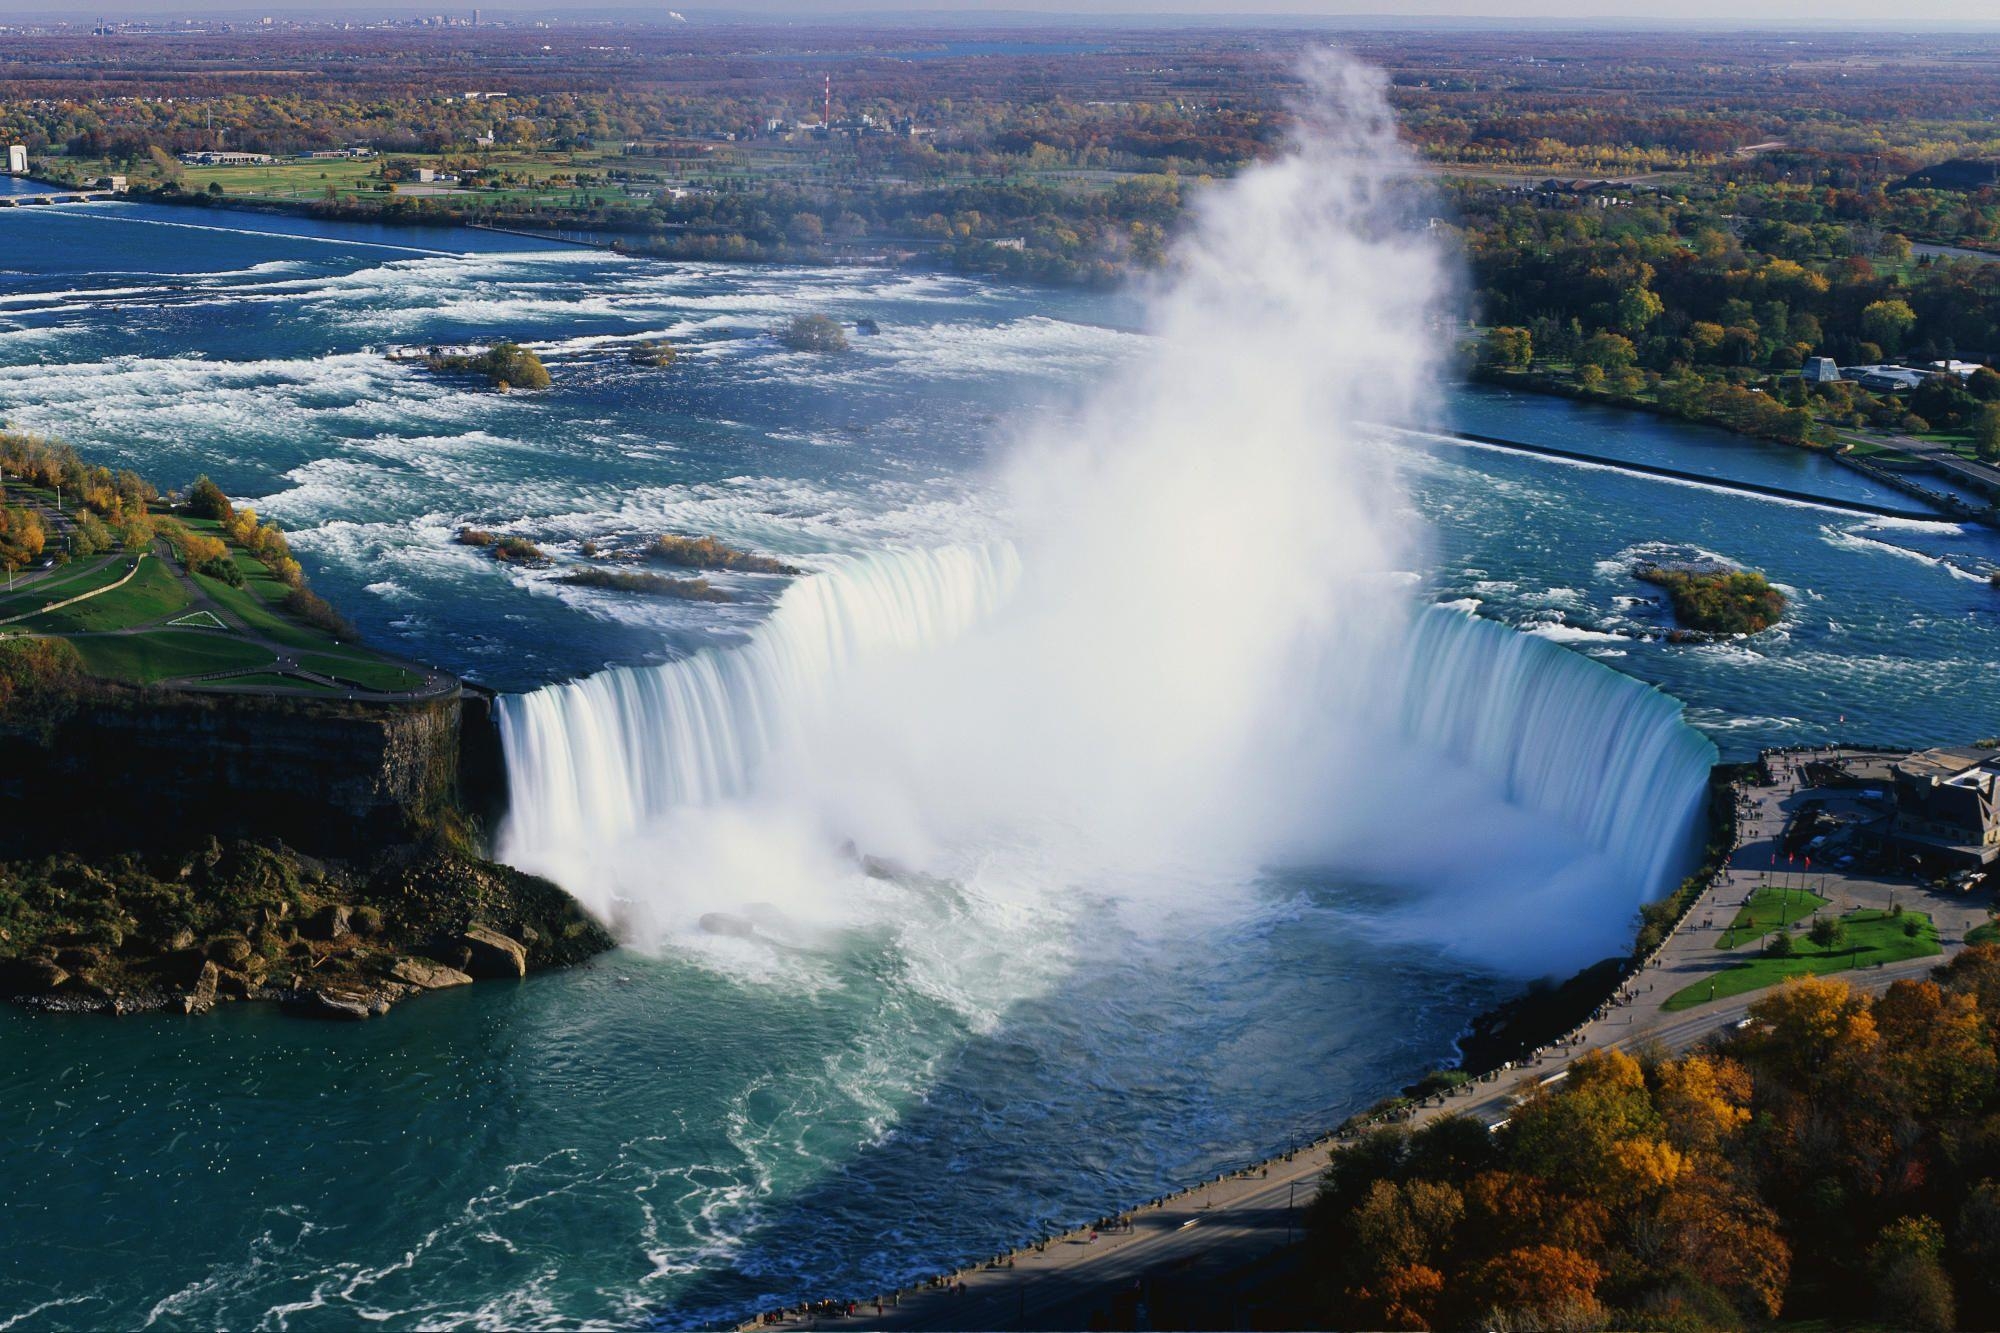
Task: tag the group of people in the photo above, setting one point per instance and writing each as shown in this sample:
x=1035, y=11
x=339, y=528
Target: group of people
x=827, y=1309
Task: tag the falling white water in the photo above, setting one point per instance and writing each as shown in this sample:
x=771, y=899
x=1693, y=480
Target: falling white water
x=1195, y=656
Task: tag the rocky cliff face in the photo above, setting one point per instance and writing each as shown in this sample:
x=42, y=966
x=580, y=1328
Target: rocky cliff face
x=140, y=769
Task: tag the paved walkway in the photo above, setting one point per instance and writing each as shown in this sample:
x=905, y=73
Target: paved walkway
x=1213, y=1229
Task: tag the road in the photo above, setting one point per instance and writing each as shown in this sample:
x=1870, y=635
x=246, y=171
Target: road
x=1193, y=1243
x=1982, y=477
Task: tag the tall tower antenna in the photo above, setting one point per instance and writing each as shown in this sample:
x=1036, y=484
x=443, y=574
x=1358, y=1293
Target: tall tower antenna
x=826, y=115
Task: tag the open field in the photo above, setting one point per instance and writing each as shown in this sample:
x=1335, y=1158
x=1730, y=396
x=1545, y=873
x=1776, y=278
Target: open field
x=146, y=659
x=64, y=582
x=277, y=680
x=144, y=620
x=368, y=672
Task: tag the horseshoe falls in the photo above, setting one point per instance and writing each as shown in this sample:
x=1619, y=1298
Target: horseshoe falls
x=1605, y=761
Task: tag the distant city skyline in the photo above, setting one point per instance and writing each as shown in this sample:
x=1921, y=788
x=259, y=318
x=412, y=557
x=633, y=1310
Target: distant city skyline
x=1483, y=13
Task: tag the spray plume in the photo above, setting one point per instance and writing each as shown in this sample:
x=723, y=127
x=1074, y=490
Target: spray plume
x=1190, y=658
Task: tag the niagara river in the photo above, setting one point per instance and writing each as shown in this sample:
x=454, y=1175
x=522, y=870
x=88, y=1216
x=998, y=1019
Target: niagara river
x=983, y=992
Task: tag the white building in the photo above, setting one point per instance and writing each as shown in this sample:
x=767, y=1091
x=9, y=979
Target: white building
x=17, y=159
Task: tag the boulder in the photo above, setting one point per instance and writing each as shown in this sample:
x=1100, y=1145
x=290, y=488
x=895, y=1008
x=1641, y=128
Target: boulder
x=492, y=954
x=346, y=1000
x=329, y=923
x=201, y=997
x=235, y=985
x=427, y=975
x=30, y=976
x=230, y=950
x=183, y=939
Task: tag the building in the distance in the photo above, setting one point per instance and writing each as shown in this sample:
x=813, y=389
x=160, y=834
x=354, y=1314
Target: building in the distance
x=1948, y=807
x=17, y=159
x=1887, y=379
x=1821, y=370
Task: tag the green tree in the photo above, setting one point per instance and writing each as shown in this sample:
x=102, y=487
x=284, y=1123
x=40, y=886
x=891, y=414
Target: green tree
x=1607, y=351
x=1827, y=933
x=206, y=500
x=1638, y=307
x=1887, y=323
x=1986, y=432
x=1508, y=347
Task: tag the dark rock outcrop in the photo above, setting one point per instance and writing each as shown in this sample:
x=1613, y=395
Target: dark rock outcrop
x=330, y=777
x=491, y=954
x=191, y=931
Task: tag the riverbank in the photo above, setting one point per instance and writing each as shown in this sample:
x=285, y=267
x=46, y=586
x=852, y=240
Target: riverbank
x=1839, y=451
x=144, y=932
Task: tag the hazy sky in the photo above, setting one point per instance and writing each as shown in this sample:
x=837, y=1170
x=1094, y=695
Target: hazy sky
x=1850, y=13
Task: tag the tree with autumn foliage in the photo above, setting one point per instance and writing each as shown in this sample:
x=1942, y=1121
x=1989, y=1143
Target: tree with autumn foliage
x=1649, y=1191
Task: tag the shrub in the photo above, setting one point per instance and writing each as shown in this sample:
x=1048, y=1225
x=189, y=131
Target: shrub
x=1718, y=601
x=37, y=673
x=653, y=585
x=310, y=607
x=206, y=500
x=708, y=553
x=813, y=333
x=518, y=550
x=222, y=568
x=505, y=365
x=474, y=537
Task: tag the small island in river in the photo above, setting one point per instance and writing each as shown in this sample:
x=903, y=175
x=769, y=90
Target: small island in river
x=1709, y=598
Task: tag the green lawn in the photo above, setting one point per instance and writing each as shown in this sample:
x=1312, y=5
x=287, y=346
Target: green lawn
x=368, y=672
x=1873, y=938
x=253, y=604
x=1986, y=934
x=68, y=581
x=1768, y=909
x=157, y=594
x=145, y=658
x=153, y=594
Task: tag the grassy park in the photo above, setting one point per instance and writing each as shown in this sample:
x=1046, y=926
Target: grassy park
x=1868, y=938
x=160, y=592
x=1769, y=909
